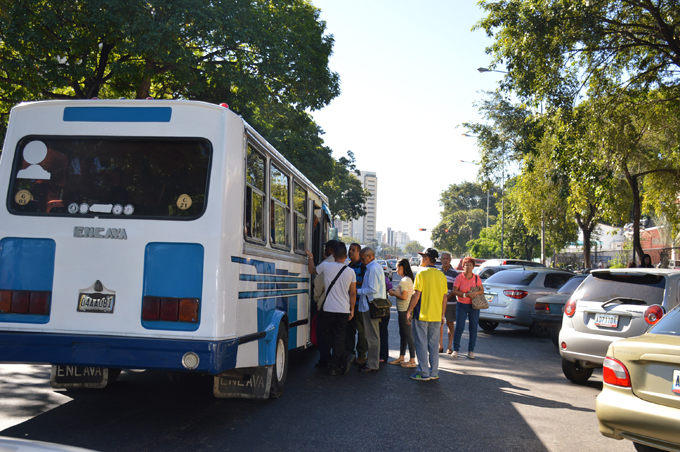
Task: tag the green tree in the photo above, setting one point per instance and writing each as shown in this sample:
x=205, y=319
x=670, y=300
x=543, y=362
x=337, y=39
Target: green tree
x=413, y=248
x=349, y=240
x=488, y=245
x=550, y=47
x=346, y=196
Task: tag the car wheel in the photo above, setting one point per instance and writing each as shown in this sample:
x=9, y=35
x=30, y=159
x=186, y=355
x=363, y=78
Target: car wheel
x=643, y=448
x=555, y=336
x=281, y=364
x=575, y=372
x=487, y=326
x=539, y=329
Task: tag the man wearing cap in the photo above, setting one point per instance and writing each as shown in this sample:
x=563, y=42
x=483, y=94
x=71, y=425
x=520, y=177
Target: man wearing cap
x=430, y=295
x=451, y=275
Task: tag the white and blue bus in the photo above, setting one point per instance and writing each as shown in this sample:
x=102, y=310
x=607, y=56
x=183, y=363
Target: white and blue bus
x=153, y=234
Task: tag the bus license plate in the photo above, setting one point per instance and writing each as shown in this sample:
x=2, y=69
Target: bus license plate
x=607, y=320
x=96, y=302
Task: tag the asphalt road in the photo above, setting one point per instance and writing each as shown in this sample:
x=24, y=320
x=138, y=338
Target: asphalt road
x=513, y=397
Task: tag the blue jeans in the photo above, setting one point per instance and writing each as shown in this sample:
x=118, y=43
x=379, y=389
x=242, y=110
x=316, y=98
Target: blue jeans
x=426, y=338
x=465, y=311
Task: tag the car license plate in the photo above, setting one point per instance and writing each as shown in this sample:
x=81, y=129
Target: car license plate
x=96, y=302
x=489, y=298
x=676, y=382
x=607, y=320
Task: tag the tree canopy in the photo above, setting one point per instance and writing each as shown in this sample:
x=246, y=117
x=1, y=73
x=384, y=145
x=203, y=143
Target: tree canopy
x=267, y=59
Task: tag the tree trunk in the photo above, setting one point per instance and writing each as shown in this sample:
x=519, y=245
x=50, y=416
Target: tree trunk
x=634, y=187
x=587, y=226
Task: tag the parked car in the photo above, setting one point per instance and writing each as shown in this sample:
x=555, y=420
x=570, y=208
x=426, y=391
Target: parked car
x=386, y=268
x=393, y=264
x=458, y=263
x=610, y=305
x=415, y=262
x=512, y=295
x=495, y=262
x=438, y=264
x=640, y=398
x=549, y=309
x=485, y=272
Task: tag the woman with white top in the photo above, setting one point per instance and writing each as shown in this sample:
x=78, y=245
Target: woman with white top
x=403, y=293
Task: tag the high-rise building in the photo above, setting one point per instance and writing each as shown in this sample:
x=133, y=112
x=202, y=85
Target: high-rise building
x=363, y=228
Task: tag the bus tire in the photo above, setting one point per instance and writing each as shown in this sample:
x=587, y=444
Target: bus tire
x=280, y=370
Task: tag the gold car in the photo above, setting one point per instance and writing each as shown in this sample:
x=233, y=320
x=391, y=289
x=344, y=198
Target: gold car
x=640, y=398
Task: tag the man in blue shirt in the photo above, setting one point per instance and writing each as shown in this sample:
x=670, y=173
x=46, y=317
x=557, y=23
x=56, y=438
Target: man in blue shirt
x=356, y=325
x=373, y=286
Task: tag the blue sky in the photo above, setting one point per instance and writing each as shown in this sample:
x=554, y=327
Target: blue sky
x=409, y=78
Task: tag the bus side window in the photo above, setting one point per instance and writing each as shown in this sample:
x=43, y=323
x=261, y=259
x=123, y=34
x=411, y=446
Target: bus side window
x=300, y=225
x=255, y=195
x=280, y=208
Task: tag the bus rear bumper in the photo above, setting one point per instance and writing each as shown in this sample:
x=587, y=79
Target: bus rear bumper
x=117, y=352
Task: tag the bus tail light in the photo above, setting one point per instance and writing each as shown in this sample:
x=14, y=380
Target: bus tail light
x=24, y=302
x=169, y=309
x=188, y=310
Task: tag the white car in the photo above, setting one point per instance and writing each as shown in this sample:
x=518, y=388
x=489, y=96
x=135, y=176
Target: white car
x=386, y=268
x=609, y=305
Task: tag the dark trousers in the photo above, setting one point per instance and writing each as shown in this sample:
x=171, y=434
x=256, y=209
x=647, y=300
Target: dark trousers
x=354, y=326
x=332, y=326
x=384, y=344
x=406, y=335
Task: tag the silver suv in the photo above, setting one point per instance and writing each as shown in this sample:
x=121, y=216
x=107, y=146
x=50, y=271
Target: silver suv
x=611, y=305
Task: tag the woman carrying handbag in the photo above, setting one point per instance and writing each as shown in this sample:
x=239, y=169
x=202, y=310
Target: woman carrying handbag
x=465, y=287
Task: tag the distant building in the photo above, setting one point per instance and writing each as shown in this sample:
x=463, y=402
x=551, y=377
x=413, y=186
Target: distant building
x=363, y=228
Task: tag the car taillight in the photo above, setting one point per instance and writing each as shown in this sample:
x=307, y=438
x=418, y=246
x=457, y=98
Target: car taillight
x=170, y=309
x=653, y=314
x=615, y=373
x=24, y=302
x=517, y=294
x=542, y=307
x=570, y=308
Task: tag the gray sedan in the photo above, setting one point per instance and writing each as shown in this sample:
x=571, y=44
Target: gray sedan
x=512, y=296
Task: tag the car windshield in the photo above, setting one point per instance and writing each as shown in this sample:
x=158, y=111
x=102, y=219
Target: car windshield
x=571, y=285
x=126, y=177
x=669, y=324
x=513, y=278
x=603, y=286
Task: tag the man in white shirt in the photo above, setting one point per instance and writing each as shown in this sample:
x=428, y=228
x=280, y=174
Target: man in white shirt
x=372, y=287
x=319, y=287
x=336, y=309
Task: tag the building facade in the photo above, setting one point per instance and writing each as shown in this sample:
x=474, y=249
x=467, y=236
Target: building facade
x=363, y=228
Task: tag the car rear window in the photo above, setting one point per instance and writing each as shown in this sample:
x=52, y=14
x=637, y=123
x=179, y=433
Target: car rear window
x=604, y=286
x=571, y=285
x=516, y=278
x=669, y=324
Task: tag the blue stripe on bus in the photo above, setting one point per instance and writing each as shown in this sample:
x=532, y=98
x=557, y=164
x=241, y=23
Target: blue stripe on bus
x=118, y=352
x=117, y=114
x=268, y=278
x=268, y=268
x=27, y=264
x=270, y=293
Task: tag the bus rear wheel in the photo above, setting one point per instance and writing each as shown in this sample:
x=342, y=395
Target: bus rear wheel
x=280, y=371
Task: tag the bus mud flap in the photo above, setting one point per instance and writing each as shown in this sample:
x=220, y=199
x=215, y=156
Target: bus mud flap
x=246, y=382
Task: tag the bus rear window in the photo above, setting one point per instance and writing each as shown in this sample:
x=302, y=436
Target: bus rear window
x=129, y=177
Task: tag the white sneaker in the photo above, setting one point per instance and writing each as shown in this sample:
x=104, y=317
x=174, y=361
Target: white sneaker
x=471, y=355
x=455, y=355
